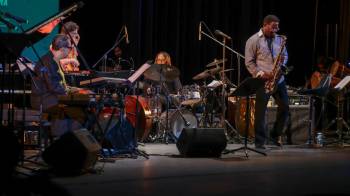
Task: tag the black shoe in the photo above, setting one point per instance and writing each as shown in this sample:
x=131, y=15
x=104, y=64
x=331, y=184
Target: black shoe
x=277, y=141
x=260, y=146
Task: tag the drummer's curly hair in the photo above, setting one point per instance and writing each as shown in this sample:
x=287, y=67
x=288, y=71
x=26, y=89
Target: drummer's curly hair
x=166, y=55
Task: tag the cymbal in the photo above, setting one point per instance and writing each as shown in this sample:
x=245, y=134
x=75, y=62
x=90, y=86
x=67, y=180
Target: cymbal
x=207, y=73
x=215, y=62
x=215, y=70
x=202, y=75
x=162, y=72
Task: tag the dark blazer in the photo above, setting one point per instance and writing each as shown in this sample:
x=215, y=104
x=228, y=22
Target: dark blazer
x=47, y=85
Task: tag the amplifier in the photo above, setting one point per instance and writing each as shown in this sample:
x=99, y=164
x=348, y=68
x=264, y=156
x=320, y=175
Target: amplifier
x=301, y=100
x=298, y=123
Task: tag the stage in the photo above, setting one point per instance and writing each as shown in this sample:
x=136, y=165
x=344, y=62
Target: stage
x=291, y=170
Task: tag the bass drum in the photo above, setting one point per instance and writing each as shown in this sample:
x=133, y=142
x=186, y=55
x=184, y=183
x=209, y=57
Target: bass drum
x=176, y=120
x=240, y=120
x=144, y=121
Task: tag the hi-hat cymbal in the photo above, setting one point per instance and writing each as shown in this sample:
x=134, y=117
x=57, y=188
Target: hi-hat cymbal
x=215, y=62
x=162, y=72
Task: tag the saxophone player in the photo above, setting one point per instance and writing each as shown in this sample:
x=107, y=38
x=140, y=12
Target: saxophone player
x=261, y=51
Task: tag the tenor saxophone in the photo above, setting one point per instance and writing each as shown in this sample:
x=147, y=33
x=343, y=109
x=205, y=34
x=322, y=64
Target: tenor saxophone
x=270, y=85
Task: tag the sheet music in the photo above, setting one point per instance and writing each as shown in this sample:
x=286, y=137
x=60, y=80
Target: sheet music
x=131, y=79
x=342, y=83
x=139, y=72
x=214, y=84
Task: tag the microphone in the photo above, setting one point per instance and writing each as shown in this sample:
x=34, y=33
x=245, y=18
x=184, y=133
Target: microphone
x=16, y=18
x=218, y=32
x=200, y=31
x=126, y=35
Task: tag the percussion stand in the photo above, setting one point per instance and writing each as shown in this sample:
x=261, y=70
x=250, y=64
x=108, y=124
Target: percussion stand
x=167, y=134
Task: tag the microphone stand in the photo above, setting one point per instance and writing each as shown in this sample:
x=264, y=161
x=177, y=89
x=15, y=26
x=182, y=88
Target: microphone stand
x=109, y=50
x=223, y=79
x=239, y=56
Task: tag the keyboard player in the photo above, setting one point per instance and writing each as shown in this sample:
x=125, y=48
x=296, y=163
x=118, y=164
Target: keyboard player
x=49, y=83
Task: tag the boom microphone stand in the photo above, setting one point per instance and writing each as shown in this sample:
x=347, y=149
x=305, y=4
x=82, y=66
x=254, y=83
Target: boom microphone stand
x=239, y=56
x=115, y=45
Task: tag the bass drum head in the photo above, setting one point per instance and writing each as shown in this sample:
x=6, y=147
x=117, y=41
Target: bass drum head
x=176, y=120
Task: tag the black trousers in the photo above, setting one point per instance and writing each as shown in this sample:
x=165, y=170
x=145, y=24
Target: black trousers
x=281, y=98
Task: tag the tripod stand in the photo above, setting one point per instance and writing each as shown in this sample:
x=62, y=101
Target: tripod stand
x=339, y=120
x=247, y=88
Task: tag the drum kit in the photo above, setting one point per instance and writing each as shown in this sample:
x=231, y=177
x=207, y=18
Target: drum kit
x=160, y=116
x=193, y=106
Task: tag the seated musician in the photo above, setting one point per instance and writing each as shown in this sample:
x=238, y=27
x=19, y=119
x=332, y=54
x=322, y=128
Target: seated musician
x=49, y=83
x=170, y=88
x=117, y=61
x=324, y=67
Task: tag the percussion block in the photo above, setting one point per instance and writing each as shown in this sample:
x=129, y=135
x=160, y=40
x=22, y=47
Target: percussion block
x=72, y=153
x=201, y=142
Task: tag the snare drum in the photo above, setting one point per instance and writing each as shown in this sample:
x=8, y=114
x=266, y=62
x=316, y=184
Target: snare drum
x=179, y=119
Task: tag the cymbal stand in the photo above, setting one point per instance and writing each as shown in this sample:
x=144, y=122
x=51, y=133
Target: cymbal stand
x=155, y=104
x=166, y=134
x=224, y=122
x=204, y=119
x=209, y=111
x=339, y=121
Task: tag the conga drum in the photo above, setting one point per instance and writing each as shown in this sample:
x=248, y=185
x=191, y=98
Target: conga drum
x=240, y=117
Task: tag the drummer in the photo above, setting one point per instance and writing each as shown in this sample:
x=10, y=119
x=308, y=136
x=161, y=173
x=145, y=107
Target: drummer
x=170, y=87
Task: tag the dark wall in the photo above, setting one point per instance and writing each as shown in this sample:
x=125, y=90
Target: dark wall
x=169, y=25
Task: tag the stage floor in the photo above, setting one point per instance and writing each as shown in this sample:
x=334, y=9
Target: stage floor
x=291, y=170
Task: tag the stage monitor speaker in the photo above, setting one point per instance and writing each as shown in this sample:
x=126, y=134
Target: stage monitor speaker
x=202, y=142
x=72, y=153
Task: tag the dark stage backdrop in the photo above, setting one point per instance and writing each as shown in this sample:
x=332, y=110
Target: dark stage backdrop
x=172, y=25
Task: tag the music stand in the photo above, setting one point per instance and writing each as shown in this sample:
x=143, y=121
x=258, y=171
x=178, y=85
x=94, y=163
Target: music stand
x=320, y=91
x=339, y=120
x=247, y=88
